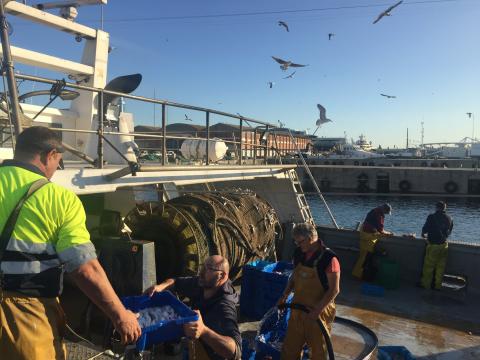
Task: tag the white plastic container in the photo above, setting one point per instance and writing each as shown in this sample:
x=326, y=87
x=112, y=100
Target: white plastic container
x=196, y=149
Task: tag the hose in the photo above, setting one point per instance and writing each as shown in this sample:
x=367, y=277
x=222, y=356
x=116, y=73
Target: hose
x=326, y=336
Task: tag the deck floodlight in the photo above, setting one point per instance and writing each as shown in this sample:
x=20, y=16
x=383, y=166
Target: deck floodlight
x=64, y=94
x=67, y=95
x=57, y=90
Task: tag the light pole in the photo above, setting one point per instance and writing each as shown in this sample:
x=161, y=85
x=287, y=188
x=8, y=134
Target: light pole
x=471, y=116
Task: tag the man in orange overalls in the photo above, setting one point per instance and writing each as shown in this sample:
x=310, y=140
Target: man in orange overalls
x=315, y=282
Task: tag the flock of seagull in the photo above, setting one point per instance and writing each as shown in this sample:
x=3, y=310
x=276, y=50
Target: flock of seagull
x=286, y=64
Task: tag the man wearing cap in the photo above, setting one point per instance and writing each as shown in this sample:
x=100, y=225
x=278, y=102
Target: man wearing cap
x=43, y=234
x=372, y=229
x=437, y=228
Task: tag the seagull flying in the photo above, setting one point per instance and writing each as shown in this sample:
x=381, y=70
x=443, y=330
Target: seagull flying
x=270, y=84
x=389, y=96
x=284, y=24
x=387, y=12
x=322, y=119
x=187, y=118
x=290, y=76
x=469, y=115
x=323, y=116
x=330, y=35
x=284, y=65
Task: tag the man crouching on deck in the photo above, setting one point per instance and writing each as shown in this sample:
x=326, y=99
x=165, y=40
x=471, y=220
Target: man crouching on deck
x=315, y=282
x=215, y=334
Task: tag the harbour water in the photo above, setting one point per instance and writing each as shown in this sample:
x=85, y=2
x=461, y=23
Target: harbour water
x=408, y=215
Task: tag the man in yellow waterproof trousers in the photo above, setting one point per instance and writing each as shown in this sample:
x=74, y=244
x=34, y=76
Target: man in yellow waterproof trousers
x=437, y=228
x=315, y=282
x=372, y=230
x=42, y=236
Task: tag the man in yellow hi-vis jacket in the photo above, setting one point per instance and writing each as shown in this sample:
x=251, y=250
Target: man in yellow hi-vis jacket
x=47, y=238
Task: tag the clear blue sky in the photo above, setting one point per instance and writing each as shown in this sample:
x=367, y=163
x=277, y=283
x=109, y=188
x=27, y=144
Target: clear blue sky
x=427, y=54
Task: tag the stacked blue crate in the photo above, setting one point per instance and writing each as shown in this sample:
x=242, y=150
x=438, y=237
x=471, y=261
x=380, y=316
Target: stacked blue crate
x=262, y=285
x=252, y=283
x=275, y=279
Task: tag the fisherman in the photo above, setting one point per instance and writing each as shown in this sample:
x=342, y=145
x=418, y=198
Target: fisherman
x=372, y=229
x=46, y=237
x=315, y=282
x=437, y=228
x=215, y=335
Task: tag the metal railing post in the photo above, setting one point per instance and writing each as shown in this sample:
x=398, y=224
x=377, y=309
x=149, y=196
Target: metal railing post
x=100, y=130
x=164, y=135
x=277, y=151
x=8, y=68
x=207, y=146
x=254, y=146
x=240, y=157
x=265, y=149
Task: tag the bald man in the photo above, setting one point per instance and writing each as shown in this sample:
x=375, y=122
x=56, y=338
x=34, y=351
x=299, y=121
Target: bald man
x=215, y=335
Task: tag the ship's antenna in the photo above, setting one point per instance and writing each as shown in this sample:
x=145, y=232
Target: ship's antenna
x=407, y=139
x=423, y=133
x=7, y=67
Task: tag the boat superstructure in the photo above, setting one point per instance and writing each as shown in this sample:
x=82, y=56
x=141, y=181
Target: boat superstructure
x=103, y=150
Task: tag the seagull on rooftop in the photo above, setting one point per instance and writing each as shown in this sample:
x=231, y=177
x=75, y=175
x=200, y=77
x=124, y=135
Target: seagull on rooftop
x=389, y=96
x=387, y=12
x=290, y=76
x=284, y=24
x=284, y=64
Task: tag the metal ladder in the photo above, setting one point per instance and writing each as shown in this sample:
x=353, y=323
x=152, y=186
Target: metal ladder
x=300, y=195
x=314, y=183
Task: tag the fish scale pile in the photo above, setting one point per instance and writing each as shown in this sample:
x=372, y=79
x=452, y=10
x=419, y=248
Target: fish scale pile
x=154, y=315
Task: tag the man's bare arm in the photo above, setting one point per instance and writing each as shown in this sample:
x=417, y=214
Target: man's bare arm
x=92, y=280
x=223, y=345
x=167, y=284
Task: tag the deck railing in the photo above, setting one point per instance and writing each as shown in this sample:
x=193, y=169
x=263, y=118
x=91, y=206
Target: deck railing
x=267, y=130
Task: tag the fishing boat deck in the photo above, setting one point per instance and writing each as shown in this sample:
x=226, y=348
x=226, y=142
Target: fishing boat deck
x=431, y=324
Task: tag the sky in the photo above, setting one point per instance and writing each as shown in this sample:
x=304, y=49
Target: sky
x=217, y=54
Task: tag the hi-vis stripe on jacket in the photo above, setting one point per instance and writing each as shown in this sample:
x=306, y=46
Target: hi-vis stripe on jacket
x=49, y=236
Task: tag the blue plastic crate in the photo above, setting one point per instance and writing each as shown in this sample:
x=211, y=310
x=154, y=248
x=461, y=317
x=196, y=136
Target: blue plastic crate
x=394, y=352
x=262, y=285
x=278, y=273
x=252, y=288
x=264, y=350
x=373, y=290
x=164, y=330
x=275, y=278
